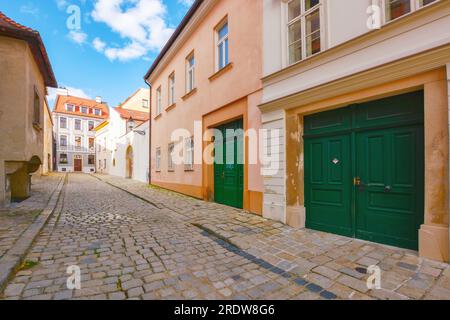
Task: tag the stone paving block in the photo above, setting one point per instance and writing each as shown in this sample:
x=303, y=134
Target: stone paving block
x=157, y=253
x=327, y=272
x=353, y=283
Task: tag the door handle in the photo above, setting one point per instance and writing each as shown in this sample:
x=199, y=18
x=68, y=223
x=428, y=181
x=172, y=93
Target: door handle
x=357, y=181
x=387, y=188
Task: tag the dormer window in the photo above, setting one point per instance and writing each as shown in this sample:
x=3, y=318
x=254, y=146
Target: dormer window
x=97, y=112
x=84, y=109
x=70, y=108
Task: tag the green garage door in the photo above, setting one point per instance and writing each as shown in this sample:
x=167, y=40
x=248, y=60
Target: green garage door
x=364, y=170
x=229, y=165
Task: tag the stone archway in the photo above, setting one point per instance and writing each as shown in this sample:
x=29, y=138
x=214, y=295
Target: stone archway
x=129, y=163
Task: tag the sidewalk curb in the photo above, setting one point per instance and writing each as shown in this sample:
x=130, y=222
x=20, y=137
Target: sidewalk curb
x=15, y=255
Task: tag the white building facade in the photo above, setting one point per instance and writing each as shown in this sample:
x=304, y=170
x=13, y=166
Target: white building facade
x=122, y=142
x=74, y=122
x=346, y=59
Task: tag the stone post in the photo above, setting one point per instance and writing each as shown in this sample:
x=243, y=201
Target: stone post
x=433, y=234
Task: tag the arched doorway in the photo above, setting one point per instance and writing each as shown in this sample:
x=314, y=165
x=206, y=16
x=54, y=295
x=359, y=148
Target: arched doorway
x=129, y=163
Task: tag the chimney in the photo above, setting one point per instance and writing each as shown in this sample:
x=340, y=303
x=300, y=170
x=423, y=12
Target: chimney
x=62, y=91
x=98, y=99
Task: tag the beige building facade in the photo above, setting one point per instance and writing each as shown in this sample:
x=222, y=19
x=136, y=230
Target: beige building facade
x=26, y=72
x=208, y=77
x=383, y=66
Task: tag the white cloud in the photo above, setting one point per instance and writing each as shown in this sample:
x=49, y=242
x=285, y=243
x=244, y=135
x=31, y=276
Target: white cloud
x=77, y=36
x=186, y=2
x=76, y=92
x=29, y=8
x=99, y=45
x=139, y=22
x=62, y=4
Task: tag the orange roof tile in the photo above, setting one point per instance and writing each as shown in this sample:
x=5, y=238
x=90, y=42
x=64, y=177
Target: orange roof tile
x=12, y=29
x=132, y=114
x=61, y=101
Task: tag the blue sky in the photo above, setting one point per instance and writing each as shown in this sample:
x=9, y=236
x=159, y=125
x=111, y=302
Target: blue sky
x=105, y=52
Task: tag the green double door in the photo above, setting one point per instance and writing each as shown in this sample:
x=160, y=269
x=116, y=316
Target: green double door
x=229, y=164
x=364, y=170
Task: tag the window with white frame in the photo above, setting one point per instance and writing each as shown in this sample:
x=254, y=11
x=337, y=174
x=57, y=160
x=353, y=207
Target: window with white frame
x=78, y=143
x=91, y=125
x=158, y=101
x=63, y=158
x=397, y=8
x=189, y=154
x=171, y=154
x=63, y=123
x=158, y=159
x=304, y=29
x=172, y=89
x=145, y=103
x=222, y=45
x=84, y=109
x=70, y=107
x=190, y=73
x=78, y=125
x=97, y=112
x=63, y=141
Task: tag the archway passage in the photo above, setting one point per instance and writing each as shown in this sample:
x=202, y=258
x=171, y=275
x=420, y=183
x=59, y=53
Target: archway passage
x=129, y=163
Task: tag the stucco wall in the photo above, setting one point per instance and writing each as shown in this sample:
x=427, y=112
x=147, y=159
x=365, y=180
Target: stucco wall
x=71, y=133
x=20, y=78
x=47, y=156
x=448, y=93
x=243, y=79
x=135, y=101
x=418, y=32
x=140, y=146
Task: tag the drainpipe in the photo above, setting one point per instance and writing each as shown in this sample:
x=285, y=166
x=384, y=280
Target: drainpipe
x=150, y=133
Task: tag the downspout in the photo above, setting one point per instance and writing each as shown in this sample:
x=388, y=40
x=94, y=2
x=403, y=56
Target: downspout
x=150, y=134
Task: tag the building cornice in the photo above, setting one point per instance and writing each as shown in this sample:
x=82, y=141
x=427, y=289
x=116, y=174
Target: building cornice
x=422, y=62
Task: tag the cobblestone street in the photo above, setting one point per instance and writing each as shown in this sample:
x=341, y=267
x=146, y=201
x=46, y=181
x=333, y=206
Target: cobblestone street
x=132, y=241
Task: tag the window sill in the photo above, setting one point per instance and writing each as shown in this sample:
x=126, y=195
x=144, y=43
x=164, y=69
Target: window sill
x=189, y=94
x=171, y=171
x=172, y=106
x=229, y=66
x=158, y=116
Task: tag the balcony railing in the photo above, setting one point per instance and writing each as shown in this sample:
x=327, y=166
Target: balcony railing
x=76, y=149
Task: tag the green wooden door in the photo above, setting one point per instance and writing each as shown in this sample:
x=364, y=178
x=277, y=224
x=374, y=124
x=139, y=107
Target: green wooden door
x=364, y=170
x=389, y=169
x=328, y=168
x=229, y=165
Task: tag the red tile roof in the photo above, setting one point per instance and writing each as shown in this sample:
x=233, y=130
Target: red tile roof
x=132, y=114
x=12, y=29
x=61, y=101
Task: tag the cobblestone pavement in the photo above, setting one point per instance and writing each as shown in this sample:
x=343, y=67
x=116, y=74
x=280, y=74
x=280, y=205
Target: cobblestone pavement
x=19, y=216
x=168, y=246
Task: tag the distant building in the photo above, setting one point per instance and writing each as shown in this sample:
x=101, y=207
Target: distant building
x=122, y=141
x=75, y=119
x=25, y=74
